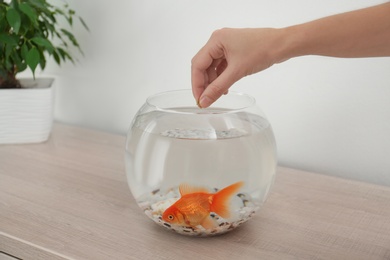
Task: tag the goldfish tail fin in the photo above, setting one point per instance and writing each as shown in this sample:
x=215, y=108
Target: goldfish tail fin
x=221, y=199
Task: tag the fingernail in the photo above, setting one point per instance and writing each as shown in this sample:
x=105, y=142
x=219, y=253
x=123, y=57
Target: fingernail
x=204, y=102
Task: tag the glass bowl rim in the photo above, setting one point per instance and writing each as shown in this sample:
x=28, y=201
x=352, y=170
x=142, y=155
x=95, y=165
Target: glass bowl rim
x=251, y=102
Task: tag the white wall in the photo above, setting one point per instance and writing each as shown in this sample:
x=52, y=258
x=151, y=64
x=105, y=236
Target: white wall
x=329, y=115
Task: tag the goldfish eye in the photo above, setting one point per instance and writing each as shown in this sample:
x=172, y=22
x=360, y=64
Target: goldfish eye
x=170, y=217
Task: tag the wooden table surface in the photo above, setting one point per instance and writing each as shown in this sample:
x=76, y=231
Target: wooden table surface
x=68, y=199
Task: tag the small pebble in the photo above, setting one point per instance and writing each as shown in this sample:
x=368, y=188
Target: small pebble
x=203, y=134
x=241, y=195
x=155, y=191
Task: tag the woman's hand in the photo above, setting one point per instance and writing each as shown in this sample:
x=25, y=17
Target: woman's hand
x=229, y=55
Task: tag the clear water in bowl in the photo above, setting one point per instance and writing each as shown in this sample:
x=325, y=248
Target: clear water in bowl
x=200, y=148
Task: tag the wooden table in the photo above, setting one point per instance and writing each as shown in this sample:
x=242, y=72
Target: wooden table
x=68, y=199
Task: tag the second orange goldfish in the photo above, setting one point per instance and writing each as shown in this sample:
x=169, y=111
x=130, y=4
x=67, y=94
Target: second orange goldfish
x=195, y=205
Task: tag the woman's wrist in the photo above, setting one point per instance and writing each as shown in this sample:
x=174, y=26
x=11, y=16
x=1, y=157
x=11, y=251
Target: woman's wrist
x=290, y=42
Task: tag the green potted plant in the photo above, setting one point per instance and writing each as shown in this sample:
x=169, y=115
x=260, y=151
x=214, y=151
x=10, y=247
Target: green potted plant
x=31, y=31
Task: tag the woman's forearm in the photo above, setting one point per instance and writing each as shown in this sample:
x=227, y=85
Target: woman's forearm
x=361, y=33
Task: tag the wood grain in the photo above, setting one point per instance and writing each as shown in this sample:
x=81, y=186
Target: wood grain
x=68, y=199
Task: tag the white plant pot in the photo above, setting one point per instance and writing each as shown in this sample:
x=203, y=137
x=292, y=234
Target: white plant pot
x=26, y=114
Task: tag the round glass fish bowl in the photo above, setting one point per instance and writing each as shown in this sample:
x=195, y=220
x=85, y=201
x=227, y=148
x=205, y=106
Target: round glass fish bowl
x=200, y=172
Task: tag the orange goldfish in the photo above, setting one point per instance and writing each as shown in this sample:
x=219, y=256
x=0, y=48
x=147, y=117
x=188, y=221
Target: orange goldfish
x=195, y=205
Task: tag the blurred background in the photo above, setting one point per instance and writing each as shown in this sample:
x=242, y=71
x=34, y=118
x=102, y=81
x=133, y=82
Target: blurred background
x=329, y=115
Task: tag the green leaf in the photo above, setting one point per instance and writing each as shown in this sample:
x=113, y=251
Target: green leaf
x=57, y=58
x=70, y=37
x=29, y=11
x=42, y=63
x=59, y=11
x=8, y=64
x=39, y=4
x=62, y=39
x=33, y=59
x=24, y=51
x=8, y=39
x=49, y=26
x=43, y=43
x=8, y=50
x=49, y=16
x=65, y=55
x=21, y=66
x=13, y=19
x=84, y=24
x=70, y=20
x=3, y=23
